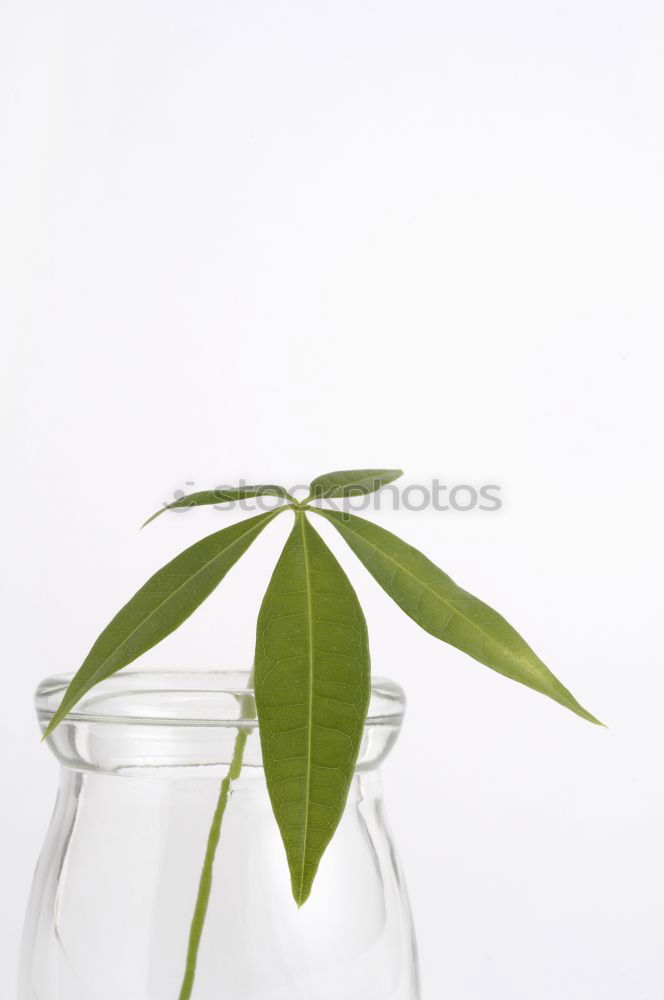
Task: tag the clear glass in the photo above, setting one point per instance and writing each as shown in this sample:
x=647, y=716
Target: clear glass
x=109, y=915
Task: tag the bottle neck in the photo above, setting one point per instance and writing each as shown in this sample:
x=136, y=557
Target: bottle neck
x=165, y=724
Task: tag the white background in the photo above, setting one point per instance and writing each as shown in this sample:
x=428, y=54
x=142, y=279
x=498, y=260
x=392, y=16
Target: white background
x=269, y=239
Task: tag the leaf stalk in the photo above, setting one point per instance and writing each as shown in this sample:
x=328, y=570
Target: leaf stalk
x=205, y=883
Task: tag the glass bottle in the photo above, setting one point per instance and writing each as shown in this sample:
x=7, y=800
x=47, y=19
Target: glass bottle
x=142, y=759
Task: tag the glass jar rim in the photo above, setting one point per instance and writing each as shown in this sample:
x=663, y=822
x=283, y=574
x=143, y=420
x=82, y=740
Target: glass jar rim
x=194, y=698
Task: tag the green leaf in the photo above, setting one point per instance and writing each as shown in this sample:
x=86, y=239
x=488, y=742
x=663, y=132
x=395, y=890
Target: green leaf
x=312, y=687
x=207, y=497
x=353, y=482
x=440, y=607
x=161, y=605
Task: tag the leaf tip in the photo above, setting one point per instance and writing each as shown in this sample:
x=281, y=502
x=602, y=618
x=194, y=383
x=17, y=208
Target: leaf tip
x=301, y=895
x=585, y=714
x=588, y=716
x=49, y=729
x=151, y=518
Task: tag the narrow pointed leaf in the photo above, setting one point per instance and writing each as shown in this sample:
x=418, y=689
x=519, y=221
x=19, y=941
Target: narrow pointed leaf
x=433, y=600
x=352, y=482
x=207, y=497
x=312, y=686
x=161, y=605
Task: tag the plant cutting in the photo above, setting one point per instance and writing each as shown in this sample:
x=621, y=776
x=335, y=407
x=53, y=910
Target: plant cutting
x=311, y=679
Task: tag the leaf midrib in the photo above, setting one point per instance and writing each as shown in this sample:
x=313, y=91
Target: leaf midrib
x=563, y=695
x=180, y=586
x=310, y=636
x=414, y=576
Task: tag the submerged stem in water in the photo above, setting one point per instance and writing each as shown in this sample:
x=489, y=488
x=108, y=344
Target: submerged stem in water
x=205, y=883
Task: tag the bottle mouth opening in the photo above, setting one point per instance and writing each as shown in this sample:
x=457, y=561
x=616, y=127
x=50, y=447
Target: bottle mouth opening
x=218, y=698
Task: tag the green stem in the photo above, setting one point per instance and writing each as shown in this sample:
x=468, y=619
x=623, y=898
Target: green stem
x=205, y=883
